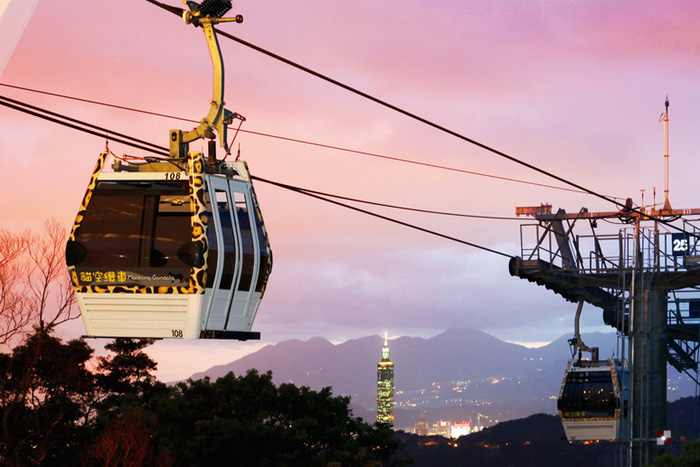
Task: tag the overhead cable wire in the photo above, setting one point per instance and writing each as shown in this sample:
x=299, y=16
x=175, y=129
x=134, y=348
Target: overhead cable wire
x=90, y=101
x=438, y=126
x=374, y=214
x=150, y=147
x=424, y=164
x=301, y=141
x=404, y=208
x=86, y=127
x=416, y=117
x=161, y=150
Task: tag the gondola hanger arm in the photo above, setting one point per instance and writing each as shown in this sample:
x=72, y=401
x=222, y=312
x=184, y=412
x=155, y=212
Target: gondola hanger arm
x=206, y=15
x=577, y=344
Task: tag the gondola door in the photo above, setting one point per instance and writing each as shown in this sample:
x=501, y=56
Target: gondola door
x=233, y=248
x=241, y=313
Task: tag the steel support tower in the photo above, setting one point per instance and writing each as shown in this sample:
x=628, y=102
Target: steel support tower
x=645, y=278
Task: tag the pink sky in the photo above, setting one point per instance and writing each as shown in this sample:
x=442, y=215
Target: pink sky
x=574, y=87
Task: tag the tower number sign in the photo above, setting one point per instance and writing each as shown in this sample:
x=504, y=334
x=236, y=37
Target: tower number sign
x=680, y=244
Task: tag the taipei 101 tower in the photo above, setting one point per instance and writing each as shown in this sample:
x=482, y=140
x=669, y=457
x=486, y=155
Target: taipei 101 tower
x=385, y=386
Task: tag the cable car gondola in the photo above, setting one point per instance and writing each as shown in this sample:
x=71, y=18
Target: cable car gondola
x=173, y=248
x=592, y=401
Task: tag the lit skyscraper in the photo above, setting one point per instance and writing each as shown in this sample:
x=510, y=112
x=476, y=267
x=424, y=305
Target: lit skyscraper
x=385, y=386
x=422, y=428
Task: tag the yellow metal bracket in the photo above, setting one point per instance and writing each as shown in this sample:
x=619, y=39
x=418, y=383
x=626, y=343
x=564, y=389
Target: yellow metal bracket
x=217, y=120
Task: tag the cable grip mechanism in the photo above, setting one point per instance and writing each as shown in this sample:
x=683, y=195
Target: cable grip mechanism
x=206, y=15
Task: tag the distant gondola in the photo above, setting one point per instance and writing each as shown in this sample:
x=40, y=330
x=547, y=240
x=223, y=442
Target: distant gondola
x=592, y=402
x=173, y=248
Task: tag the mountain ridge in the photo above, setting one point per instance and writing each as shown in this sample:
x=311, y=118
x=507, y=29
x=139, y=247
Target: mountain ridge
x=458, y=367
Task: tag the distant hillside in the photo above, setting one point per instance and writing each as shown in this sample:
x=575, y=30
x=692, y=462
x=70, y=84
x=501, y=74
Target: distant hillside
x=456, y=374
x=535, y=441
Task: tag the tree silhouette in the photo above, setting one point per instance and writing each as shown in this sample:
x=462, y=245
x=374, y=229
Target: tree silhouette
x=60, y=407
x=14, y=310
x=247, y=419
x=35, y=289
x=690, y=457
x=45, y=396
x=129, y=369
x=128, y=441
x=126, y=430
x=55, y=411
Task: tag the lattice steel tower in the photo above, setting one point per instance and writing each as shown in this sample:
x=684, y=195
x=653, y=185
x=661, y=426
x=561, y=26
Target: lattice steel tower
x=385, y=386
x=646, y=279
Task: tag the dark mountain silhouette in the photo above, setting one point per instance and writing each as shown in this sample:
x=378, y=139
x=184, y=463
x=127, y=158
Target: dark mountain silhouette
x=535, y=441
x=452, y=376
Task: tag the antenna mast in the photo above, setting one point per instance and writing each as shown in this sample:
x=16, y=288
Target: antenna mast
x=664, y=118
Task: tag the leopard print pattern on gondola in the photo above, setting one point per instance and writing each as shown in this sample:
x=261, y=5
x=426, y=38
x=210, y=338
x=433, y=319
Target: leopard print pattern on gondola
x=81, y=215
x=88, y=194
x=199, y=233
x=198, y=206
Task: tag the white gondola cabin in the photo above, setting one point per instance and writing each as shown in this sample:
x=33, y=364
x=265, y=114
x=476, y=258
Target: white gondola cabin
x=592, y=402
x=175, y=247
x=180, y=254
